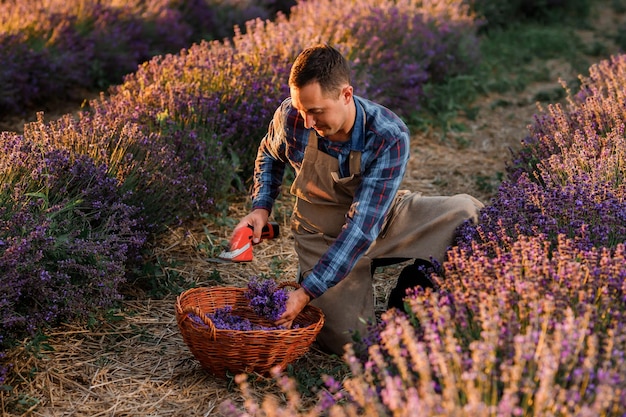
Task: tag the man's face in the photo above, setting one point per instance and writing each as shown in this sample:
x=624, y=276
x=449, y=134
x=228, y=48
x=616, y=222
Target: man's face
x=331, y=117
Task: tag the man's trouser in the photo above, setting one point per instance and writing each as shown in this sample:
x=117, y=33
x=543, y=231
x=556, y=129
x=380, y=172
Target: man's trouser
x=416, y=227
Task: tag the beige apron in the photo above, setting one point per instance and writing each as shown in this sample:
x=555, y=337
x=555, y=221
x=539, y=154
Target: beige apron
x=415, y=227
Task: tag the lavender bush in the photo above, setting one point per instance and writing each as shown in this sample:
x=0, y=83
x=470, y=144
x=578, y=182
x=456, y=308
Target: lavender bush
x=592, y=214
x=59, y=48
x=65, y=46
x=32, y=75
x=168, y=182
x=529, y=318
x=66, y=236
x=235, y=13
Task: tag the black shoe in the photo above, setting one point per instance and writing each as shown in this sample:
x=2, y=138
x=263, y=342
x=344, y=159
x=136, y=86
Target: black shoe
x=415, y=275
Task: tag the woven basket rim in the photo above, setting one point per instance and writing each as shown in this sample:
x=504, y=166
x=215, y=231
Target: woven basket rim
x=180, y=310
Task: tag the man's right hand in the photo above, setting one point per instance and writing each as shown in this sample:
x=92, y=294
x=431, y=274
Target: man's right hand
x=296, y=302
x=257, y=219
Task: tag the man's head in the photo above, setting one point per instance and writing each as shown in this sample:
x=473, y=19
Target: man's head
x=320, y=90
x=322, y=64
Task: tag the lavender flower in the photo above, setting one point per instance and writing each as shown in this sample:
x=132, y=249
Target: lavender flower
x=223, y=318
x=266, y=299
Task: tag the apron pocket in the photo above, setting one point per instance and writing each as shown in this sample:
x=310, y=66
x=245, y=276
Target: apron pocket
x=347, y=185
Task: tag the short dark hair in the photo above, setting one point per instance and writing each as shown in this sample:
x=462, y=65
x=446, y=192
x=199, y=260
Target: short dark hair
x=321, y=63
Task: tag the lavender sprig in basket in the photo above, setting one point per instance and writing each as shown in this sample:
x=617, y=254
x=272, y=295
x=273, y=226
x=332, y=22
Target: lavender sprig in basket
x=264, y=297
x=237, y=347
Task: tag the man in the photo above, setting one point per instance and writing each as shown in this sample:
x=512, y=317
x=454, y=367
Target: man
x=349, y=156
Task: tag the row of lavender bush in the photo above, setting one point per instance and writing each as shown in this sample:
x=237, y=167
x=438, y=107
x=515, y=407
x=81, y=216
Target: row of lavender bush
x=82, y=195
x=59, y=48
x=233, y=87
x=530, y=319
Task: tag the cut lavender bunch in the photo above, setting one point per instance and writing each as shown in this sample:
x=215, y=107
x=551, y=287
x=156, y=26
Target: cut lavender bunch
x=224, y=319
x=266, y=299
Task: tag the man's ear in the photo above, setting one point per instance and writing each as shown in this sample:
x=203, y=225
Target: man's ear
x=346, y=94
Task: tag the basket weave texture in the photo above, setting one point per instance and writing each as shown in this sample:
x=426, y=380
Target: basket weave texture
x=220, y=351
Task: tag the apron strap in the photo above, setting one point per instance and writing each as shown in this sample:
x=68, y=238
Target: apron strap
x=312, y=139
x=355, y=162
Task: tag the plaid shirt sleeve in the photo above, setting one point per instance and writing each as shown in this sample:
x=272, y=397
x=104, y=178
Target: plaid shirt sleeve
x=384, y=161
x=272, y=155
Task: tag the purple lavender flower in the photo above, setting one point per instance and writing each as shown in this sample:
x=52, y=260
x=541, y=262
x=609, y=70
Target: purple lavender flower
x=225, y=319
x=266, y=299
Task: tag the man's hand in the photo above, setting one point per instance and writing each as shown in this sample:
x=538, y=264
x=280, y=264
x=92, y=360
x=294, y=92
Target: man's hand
x=296, y=302
x=257, y=219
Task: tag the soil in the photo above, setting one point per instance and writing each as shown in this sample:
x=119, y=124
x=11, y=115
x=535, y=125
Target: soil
x=133, y=362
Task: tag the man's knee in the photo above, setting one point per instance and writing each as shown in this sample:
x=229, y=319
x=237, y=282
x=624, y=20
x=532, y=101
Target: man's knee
x=466, y=206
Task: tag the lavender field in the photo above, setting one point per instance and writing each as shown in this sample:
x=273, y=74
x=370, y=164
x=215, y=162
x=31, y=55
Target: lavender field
x=529, y=317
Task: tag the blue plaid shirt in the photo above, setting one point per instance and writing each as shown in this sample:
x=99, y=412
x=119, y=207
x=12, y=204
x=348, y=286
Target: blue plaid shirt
x=383, y=140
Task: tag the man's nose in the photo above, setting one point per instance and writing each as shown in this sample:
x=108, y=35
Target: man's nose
x=309, y=121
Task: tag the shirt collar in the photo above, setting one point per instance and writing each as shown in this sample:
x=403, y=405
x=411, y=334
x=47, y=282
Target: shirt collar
x=357, y=139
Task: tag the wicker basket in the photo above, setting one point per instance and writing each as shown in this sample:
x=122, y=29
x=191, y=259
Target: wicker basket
x=238, y=351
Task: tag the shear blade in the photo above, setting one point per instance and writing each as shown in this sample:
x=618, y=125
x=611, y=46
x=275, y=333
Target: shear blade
x=220, y=261
x=231, y=256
